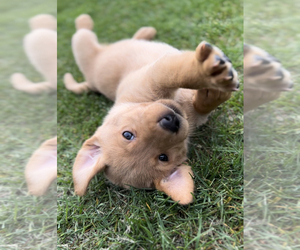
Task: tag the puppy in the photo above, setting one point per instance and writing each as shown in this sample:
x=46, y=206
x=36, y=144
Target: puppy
x=40, y=46
x=264, y=78
x=41, y=169
x=161, y=94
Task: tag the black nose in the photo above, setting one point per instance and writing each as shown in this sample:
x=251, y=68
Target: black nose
x=170, y=122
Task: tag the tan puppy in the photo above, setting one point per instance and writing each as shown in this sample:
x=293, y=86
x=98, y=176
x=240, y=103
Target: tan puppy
x=264, y=78
x=41, y=168
x=40, y=46
x=161, y=94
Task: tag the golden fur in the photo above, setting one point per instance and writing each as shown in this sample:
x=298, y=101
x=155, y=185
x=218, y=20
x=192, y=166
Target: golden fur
x=40, y=46
x=161, y=94
x=264, y=78
x=41, y=168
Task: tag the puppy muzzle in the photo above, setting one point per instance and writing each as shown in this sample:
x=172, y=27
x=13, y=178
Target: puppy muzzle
x=170, y=122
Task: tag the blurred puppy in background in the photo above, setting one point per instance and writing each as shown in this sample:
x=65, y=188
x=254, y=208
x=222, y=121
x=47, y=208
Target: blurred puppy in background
x=264, y=78
x=40, y=46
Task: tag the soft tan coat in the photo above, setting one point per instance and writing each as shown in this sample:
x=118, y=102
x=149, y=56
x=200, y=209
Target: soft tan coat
x=161, y=94
x=41, y=169
x=264, y=78
x=40, y=46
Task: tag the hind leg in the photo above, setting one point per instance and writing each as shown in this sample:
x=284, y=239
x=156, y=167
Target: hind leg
x=84, y=21
x=73, y=86
x=145, y=33
x=85, y=45
x=85, y=49
x=20, y=82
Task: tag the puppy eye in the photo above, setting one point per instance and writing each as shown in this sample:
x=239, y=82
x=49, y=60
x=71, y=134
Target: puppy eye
x=163, y=157
x=128, y=135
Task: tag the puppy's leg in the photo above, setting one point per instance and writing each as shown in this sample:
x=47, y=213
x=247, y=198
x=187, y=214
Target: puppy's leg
x=20, y=82
x=199, y=103
x=254, y=98
x=40, y=46
x=145, y=33
x=206, y=100
x=73, y=86
x=85, y=48
x=205, y=68
x=84, y=21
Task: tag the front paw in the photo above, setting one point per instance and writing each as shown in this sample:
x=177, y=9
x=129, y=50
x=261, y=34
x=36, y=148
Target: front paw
x=206, y=100
x=217, y=68
x=263, y=72
x=254, y=98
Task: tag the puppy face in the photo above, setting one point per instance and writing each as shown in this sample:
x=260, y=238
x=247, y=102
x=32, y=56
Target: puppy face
x=140, y=145
x=264, y=72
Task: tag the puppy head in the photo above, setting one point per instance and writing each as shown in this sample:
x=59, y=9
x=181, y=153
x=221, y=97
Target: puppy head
x=264, y=72
x=217, y=67
x=43, y=21
x=140, y=145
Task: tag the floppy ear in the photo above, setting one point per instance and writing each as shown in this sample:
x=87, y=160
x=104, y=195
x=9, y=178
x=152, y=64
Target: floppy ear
x=88, y=163
x=203, y=51
x=41, y=168
x=179, y=185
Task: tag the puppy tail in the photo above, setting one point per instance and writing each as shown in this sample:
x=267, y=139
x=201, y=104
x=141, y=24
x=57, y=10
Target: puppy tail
x=74, y=86
x=84, y=21
x=20, y=82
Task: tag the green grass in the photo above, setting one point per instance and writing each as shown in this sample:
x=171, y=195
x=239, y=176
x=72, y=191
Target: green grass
x=25, y=122
x=109, y=217
x=272, y=166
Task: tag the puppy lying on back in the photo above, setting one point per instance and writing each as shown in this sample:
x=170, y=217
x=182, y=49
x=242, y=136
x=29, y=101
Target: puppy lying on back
x=40, y=46
x=264, y=78
x=161, y=94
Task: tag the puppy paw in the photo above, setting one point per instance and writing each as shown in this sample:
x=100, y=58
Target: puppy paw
x=264, y=72
x=216, y=68
x=43, y=21
x=254, y=98
x=74, y=86
x=206, y=100
x=84, y=21
x=145, y=33
x=18, y=80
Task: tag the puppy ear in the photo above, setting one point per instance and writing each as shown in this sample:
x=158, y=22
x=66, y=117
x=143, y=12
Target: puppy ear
x=41, y=168
x=88, y=163
x=179, y=185
x=203, y=51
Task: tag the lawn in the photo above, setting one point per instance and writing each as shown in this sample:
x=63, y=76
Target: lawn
x=272, y=152
x=26, y=222
x=109, y=217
